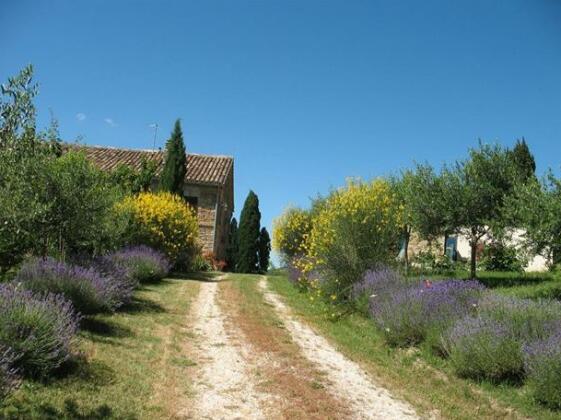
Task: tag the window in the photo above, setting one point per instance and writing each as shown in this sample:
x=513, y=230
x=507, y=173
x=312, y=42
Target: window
x=451, y=247
x=193, y=202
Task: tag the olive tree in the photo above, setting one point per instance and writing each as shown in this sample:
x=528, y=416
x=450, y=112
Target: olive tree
x=474, y=193
x=536, y=207
x=419, y=191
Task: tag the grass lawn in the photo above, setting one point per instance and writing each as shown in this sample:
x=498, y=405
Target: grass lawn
x=424, y=380
x=523, y=285
x=132, y=363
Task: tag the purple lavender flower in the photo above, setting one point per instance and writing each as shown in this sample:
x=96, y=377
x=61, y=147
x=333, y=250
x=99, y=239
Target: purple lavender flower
x=408, y=312
x=484, y=348
x=39, y=328
x=89, y=290
x=527, y=319
x=382, y=281
x=542, y=363
x=141, y=263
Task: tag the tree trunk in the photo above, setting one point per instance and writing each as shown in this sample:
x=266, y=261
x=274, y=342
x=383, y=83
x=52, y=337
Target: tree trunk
x=473, y=244
x=406, y=238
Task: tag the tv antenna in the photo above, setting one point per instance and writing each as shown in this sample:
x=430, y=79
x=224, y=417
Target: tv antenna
x=155, y=127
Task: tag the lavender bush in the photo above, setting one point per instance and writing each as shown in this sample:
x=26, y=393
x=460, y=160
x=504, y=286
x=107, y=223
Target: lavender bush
x=142, y=263
x=38, y=328
x=542, y=362
x=8, y=377
x=444, y=303
x=89, y=290
x=483, y=348
x=526, y=319
x=409, y=313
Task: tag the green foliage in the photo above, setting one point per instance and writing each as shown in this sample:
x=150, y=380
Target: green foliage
x=233, y=246
x=17, y=112
x=175, y=167
x=80, y=201
x=200, y=264
x=250, y=221
x=523, y=161
x=536, y=207
x=48, y=202
x=135, y=181
x=264, y=250
x=357, y=228
x=428, y=262
x=474, y=192
x=498, y=256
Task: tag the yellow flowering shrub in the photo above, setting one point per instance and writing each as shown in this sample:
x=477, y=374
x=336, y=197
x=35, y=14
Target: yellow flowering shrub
x=166, y=222
x=357, y=228
x=290, y=231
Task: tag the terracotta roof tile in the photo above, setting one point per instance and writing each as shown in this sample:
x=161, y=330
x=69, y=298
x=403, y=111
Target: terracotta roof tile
x=201, y=169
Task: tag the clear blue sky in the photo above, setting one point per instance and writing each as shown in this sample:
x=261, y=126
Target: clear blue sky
x=302, y=93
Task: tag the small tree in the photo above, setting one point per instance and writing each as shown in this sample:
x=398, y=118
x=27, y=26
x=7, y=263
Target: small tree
x=175, y=167
x=420, y=193
x=233, y=246
x=250, y=221
x=264, y=250
x=474, y=192
x=536, y=207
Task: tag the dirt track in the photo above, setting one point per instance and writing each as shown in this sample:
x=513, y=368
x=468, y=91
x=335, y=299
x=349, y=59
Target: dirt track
x=244, y=371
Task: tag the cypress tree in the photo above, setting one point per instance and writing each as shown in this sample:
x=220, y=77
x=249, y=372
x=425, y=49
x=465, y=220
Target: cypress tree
x=523, y=160
x=248, y=234
x=175, y=166
x=233, y=246
x=264, y=250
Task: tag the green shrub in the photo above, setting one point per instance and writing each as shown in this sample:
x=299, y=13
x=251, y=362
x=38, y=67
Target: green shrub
x=500, y=257
x=357, y=228
x=543, y=366
x=427, y=262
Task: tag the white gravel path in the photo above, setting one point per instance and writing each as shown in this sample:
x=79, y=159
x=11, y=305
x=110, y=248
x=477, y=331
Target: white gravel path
x=225, y=388
x=366, y=399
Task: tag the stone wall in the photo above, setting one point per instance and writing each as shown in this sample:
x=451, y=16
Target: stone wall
x=225, y=210
x=206, y=212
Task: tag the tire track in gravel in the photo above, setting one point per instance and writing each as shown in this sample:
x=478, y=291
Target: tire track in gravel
x=300, y=389
x=366, y=399
x=224, y=384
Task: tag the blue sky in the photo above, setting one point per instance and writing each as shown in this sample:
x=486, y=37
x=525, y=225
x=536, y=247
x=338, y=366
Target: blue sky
x=302, y=93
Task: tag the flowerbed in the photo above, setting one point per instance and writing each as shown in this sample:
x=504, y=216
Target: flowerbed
x=484, y=336
x=41, y=308
x=89, y=289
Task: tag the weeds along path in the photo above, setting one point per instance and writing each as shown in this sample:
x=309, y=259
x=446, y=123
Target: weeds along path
x=347, y=380
x=224, y=384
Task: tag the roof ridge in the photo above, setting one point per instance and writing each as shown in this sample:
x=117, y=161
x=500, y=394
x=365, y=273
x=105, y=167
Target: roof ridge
x=97, y=146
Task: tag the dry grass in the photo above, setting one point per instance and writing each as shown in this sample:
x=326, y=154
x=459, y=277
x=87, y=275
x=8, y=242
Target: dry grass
x=285, y=371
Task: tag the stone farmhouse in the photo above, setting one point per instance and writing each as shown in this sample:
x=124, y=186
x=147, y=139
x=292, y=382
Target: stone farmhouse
x=208, y=187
